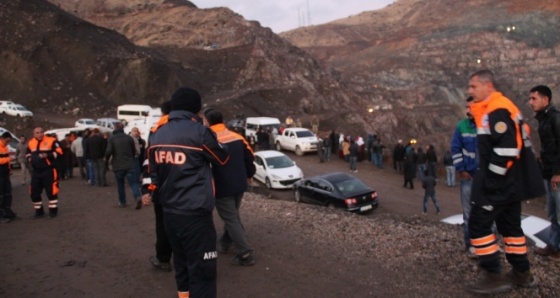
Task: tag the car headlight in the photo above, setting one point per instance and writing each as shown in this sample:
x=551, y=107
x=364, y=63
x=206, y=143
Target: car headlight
x=275, y=177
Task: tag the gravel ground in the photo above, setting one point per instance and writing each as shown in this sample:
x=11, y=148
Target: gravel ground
x=430, y=251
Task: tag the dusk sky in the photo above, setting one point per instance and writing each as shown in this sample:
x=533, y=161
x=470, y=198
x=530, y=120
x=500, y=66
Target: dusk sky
x=285, y=15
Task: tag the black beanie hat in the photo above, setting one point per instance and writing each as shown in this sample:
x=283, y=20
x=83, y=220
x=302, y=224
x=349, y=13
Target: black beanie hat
x=186, y=99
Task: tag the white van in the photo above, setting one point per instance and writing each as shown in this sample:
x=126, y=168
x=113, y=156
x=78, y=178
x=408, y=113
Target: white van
x=144, y=124
x=130, y=112
x=253, y=124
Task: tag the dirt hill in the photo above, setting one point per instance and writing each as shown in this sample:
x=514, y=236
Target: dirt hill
x=416, y=55
x=400, y=72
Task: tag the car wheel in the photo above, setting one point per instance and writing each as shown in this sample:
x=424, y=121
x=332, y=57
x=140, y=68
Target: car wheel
x=297, y=196
x=330, y=205
x=278, y=147
x=299, y=152
x=18, y=115
x=268, y=184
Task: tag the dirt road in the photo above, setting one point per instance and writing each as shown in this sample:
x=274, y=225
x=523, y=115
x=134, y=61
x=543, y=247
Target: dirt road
x=94, y=249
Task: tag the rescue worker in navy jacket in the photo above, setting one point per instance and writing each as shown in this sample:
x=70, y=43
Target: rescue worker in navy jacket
x=180, y=154
x=6, y=213
x=507, y=174
x=231, y=182
x=42, y=152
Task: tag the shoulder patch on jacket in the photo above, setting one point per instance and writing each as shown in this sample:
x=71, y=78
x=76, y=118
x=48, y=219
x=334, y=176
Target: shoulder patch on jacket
x=500, y=127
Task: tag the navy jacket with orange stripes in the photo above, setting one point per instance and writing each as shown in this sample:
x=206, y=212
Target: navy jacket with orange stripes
x=48, y=146
x=231, y=178
x=180, y=155
x=508, y=171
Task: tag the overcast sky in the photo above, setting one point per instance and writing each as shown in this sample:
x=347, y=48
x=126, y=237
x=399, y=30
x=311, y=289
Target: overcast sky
x=284, y=15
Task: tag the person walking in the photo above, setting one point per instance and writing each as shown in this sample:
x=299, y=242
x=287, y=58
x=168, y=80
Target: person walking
x=508, y=174
x=121, y=150
x=320, y=150
x=327, y=147
x=449, y=168
x=398, y=156
x=429, y=186
x=164, y=252
x=431, y=160
x=548, y=116
x=96, y=147
x=409, y=164
x=353, y=155
x=6, y=213
x=421, y=161
x=41, y=153
x=465, y=161
x=21, y=149
x=180, y=171
x=232, y=180
x=77, y=148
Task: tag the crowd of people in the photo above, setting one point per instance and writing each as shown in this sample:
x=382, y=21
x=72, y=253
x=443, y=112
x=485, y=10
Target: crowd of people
x=194, y=164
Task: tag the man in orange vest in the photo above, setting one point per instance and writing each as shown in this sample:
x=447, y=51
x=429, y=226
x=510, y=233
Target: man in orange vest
x=6, y=213
x=507, y=168
x=41, y=153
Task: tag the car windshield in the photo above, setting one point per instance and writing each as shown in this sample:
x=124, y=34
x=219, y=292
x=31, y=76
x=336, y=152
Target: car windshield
x=304, y=134
x=351, y=186
x=279, y=162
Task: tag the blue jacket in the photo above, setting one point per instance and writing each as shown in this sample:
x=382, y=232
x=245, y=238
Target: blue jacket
x=463, y=147
x=231, y=178
x=180, y=155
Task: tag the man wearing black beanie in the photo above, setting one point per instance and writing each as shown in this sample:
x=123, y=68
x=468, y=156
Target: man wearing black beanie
x=180, y=155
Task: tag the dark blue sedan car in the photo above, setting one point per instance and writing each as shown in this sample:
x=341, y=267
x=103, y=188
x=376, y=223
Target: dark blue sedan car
x=337, y=190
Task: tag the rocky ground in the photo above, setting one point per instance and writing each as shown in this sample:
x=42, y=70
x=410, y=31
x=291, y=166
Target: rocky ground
x=94, y=249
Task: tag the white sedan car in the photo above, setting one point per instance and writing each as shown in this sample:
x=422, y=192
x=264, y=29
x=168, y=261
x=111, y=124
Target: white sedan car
x=535, y=228
x=84, y=122
x=276, y=170
x=17, y=110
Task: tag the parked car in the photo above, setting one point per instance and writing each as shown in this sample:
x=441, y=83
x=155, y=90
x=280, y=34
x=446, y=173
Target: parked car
x=85, y=122
x=337, y=190
x=17, y=110
x=276, y=170
x=535, y=228
x=11, y=147
x=297, y=139
x=106, y=124
x=4, y=104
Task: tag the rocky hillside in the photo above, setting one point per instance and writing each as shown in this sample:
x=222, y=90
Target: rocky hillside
x=416, y=55
x=236, y=64
x=400, y=72
x=55, y=62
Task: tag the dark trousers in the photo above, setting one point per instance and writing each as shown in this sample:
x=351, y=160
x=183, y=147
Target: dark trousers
x=408, y=181
x=193, y=239
x=45, y=180
x=228, y=210
x=163, y=247
x=5, y=195
x=508, y=222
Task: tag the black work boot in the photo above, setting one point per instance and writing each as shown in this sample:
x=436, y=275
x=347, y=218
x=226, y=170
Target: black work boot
x=39, y=213
x=489, y=283
x=522, y=279
x=53, y=212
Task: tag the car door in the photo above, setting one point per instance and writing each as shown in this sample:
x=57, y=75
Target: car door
x=324, y=192
x=291, y=141
x=260, y=173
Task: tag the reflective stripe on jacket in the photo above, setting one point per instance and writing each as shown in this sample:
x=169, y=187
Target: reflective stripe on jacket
x=49, y=146
x=180, y=154
x=463, y=147
x=231, y=178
